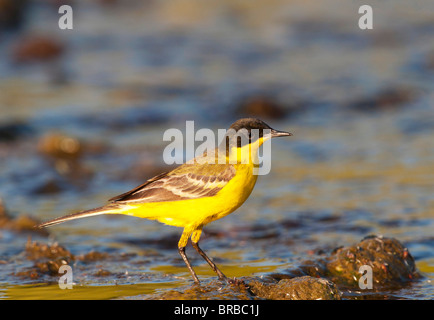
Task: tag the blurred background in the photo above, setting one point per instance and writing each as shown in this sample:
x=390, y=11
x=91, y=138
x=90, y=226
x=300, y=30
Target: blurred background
x=83, y=112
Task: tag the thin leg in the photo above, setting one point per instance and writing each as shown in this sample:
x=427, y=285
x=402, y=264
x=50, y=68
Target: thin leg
x=181, y=251
x=212, y=264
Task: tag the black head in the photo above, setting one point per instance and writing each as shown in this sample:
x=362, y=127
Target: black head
x=251, y=129
x=248, y=124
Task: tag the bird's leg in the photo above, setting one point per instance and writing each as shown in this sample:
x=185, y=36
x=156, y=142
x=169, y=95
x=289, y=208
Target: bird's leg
x=195, y=243
x=181, y=249
x=212, y=264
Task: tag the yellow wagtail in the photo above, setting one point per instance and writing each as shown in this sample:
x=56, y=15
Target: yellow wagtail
x=197, y=192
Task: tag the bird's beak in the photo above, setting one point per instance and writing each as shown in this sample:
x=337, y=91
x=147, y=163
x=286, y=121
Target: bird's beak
x=276, y=133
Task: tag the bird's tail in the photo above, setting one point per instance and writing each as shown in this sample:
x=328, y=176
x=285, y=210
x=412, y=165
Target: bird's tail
x=109, y=209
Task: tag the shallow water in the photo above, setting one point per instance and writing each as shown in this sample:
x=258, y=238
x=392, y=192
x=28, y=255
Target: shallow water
x=361, y=160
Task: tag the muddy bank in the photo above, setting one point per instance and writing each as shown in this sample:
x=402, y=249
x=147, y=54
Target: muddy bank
x=48, y=258
x=336, y=276
x=328, y=274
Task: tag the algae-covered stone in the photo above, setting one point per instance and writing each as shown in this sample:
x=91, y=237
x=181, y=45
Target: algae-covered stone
x=47, y=259
x=213, y=290
x=388, y=259
x=22, y=223
x=37, y=251
x=58, y=145
x=299, y=288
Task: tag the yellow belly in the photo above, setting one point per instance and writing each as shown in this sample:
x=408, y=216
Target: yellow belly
x=199, y=212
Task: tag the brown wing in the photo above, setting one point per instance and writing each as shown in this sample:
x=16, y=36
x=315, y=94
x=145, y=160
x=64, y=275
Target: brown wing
x=189, y=181
x=142, y=186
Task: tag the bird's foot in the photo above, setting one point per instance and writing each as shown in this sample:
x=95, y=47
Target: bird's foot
x=236, y=282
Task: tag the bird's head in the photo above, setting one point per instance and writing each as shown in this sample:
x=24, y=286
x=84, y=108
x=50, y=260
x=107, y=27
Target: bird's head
x=249, y=134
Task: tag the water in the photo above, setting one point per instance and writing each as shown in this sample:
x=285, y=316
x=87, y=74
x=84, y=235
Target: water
x=360, y=161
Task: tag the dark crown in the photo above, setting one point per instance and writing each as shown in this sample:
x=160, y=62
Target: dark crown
x=248, y=124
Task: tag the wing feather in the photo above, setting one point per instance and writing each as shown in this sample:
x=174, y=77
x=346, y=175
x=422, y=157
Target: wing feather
x=189, y=181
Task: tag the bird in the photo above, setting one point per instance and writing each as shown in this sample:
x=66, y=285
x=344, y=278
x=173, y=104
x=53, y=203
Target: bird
x=199, y=191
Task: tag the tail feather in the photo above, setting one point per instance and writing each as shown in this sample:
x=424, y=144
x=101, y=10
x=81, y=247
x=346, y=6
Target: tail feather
x=82, y=214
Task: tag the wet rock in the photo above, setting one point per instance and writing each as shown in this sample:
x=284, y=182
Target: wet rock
x=92, y=256
x=37, y=251
x=102, y=273
x=386, y=99
x=299, y=288
x=51, y=186
x=22, y=223
x=50, y=267
x=206, y=291
x=64, y=153
x=310, y=268
x=58, y=145
x=35, y=48
x=392, y=267
x=47, y=259
x=390, y=261
x=13, y=130
x=264, y=107
x=12, y=13
x=126, y=118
